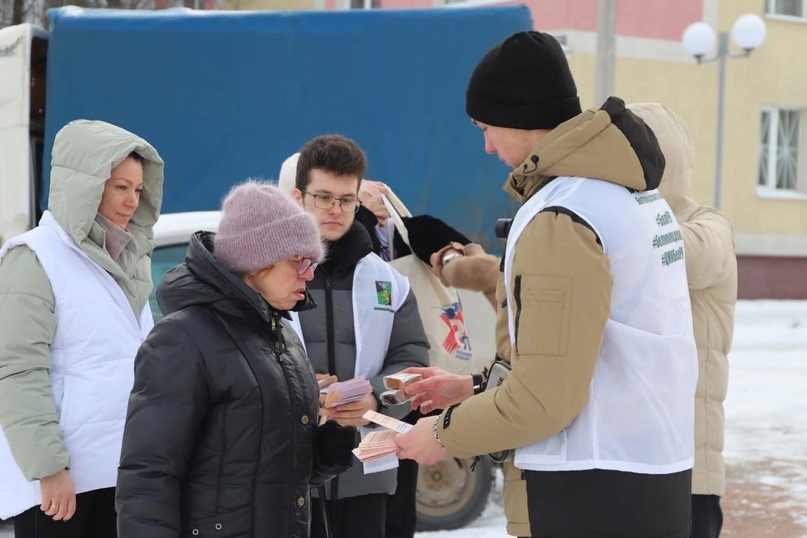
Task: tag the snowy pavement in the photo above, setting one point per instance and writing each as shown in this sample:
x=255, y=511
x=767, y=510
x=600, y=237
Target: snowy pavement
x=766, y=418
x=766, y=430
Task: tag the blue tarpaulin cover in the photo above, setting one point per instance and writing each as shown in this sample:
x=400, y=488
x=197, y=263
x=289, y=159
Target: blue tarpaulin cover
x=225, y=96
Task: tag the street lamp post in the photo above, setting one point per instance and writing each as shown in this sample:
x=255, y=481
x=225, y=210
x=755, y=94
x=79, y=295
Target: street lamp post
x=748, y=33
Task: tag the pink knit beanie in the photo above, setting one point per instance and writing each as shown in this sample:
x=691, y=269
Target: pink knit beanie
x=261, y=226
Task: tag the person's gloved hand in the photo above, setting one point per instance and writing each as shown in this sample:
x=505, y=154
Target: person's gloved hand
x=335, y=444
x=429, y=234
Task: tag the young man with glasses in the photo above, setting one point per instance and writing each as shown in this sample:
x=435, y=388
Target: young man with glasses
x=367, y=323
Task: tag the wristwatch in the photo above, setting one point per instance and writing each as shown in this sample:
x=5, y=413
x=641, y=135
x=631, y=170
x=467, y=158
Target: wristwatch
x=450, y=256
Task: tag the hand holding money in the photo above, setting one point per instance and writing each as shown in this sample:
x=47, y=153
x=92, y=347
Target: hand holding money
x=380, y=443
x=346, y=401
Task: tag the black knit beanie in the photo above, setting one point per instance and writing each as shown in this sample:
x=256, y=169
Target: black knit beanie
x=524, y=82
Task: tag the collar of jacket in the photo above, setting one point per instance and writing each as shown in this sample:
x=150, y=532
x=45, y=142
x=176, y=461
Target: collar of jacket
x=345, y=252
x=611, y=144
x=306, y=304
x=202, y=281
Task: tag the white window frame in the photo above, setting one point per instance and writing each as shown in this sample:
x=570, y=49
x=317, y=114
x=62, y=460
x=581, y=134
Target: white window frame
x=770, y=190
x=770, y=11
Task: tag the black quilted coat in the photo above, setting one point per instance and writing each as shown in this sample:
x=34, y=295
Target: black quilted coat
x=220, y=431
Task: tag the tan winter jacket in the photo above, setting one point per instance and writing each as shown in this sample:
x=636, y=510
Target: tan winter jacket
x=475, y=270
x=546, y=391
x=712, y=275
x=84, y=154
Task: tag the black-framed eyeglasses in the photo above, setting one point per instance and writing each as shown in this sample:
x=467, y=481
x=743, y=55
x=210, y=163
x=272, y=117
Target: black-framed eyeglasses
x=305, y=263
x=327, y=202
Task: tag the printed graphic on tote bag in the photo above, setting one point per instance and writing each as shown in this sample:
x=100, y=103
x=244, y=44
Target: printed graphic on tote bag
x=456, y=340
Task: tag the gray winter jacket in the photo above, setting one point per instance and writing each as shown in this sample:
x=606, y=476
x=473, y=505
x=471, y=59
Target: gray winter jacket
x=84, y=154
x=329, y=335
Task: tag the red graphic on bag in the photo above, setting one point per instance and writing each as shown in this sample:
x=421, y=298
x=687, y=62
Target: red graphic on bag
x=457, y=336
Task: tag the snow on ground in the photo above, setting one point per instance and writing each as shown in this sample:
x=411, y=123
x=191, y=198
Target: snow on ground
x=766, y=417
x=766, y=430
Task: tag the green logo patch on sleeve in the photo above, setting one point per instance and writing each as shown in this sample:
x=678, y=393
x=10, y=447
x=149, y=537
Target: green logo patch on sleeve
x=383, y=290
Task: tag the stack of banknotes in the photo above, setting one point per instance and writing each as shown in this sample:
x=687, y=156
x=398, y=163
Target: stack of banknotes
x=380, y=443
x=343, y=392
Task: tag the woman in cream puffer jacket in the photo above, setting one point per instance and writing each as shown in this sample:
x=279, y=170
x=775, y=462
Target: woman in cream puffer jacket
x=712, y=277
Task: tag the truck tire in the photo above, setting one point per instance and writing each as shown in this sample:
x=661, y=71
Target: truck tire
x=450, y=495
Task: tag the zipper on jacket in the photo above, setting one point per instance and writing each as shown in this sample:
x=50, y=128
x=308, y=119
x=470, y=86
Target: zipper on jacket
x=330, y=331
x=517, y=297
x=295, y=411
x=279, y=351
x=279, y=345
x=221, y=455
x=329, y=321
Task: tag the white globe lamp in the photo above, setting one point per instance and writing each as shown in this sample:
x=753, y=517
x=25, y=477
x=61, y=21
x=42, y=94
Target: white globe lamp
x=699, y=39
x=748, y=32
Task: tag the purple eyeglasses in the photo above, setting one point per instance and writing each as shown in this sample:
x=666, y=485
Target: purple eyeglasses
x=305, y=263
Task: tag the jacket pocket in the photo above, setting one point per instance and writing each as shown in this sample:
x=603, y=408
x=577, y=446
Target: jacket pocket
x=232, y=524
x=543, y=310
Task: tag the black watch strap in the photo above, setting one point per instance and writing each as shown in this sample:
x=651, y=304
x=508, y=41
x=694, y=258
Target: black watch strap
x=479, y=383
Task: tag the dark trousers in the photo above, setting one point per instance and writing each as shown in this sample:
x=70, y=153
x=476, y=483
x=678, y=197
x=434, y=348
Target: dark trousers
x=595, y=503
x=95, y=517
x=402, y=506
x=353, y=517
x=707, y=516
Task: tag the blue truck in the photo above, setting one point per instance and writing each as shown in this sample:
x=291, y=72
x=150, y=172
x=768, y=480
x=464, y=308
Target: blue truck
x=229, y=95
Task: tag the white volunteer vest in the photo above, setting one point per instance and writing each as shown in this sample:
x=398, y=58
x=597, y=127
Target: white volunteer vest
x=640, y=415
x=92, y=355
x=378, y=293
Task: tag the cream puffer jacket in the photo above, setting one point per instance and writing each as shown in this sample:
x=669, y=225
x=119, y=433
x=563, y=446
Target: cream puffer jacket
x=712, y=276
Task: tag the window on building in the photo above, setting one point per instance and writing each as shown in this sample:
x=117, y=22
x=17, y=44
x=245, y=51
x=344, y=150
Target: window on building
x=788, y=8
x=779, y=148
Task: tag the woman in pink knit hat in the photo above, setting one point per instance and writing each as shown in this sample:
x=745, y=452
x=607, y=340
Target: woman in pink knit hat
x=221, y=436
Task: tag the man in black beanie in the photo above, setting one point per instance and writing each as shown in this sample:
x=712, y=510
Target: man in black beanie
x=594, y=317
x=523, y=83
